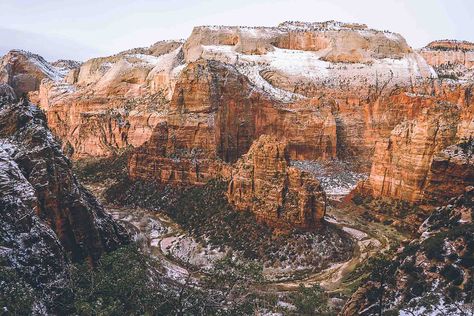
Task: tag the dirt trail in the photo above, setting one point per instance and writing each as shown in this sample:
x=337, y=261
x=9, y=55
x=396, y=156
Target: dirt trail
x=150, y=229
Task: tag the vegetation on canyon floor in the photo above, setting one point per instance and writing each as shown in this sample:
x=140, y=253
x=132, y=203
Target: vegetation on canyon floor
x=403, y=215
x=206, y=215
x=130, y=282
x=434, y=273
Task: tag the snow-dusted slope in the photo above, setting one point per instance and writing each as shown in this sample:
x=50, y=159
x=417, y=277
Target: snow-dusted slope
x=303, y=57
x=28, y=247
x=433, y=275
x=282, y=70
x=23, y=71
x=46, y=216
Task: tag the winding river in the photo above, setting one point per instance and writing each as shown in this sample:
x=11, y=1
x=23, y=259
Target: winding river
x=155, y=231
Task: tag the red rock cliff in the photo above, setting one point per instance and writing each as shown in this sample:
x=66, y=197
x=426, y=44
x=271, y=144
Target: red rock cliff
x=281, y=196
x=215, y=115
x=408, y=164
x=110, y=103
x=451, y=59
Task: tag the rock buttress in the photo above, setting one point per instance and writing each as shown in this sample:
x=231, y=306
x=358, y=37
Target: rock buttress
x=279, y=195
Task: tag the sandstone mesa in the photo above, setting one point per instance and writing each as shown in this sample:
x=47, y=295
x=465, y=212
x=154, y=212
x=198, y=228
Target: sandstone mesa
x=191, y=108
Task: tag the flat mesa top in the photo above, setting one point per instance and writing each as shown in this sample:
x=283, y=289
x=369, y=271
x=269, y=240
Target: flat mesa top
x=301, y=26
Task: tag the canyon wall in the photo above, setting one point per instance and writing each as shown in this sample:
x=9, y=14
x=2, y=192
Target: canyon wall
x=24, y=71
x=332, y=90
x=76, y=217
x=451, y=59
x=110, y=103
x=341, y=42
x=409, y=164
x=451, y=171
x=214, y=116
x=48, y=219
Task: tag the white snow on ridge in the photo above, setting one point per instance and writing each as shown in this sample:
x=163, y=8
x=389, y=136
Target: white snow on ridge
x=12, y=181
x=392, y=36
x=297, y=66
x=54, y=73
x=149, y=59
x=163, y=62
x=297, y=62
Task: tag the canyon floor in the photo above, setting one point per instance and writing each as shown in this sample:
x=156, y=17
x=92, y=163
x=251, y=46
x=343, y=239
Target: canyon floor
x=185, y=259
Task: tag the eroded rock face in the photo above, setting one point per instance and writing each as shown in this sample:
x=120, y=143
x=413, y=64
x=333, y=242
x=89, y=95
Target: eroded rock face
x=264, y=183
x=451, y=171
x=345, y=71
x=403, y=166
x=23, y=71
x=78, y=220
x=330, y=89
x=347, y=68
x=110, y=103
x=28, y=245
x=113, y=102
x=47, y=217
x=438, y=262
x=400, y=163
x=214, y=117
x=451, y=59
x=6, y=93
x=340, y=42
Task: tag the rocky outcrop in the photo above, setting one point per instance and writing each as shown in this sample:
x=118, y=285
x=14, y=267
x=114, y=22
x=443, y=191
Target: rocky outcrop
x=402, y=162
x=451, y=59
x=157, y=49
x=23, y=71
x=339, y=42
x=28, y=246
x=451, y=45
x=279, y=195
x=433, y=273
x=347, y=68
x=47, y=217
x=110, y=103
x=66, y=64
x=78, y=220
x=450, y=172
x=343, y=111
x=6, y=93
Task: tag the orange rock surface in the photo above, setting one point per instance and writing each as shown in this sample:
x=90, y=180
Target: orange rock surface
x=332, y=90
x=408, y=165
x=23, y=71
x=282, y=196
x=451, y=59
x=110, y=103
x=214, y=116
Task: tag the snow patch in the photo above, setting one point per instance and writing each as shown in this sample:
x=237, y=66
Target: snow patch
x=337, y=177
